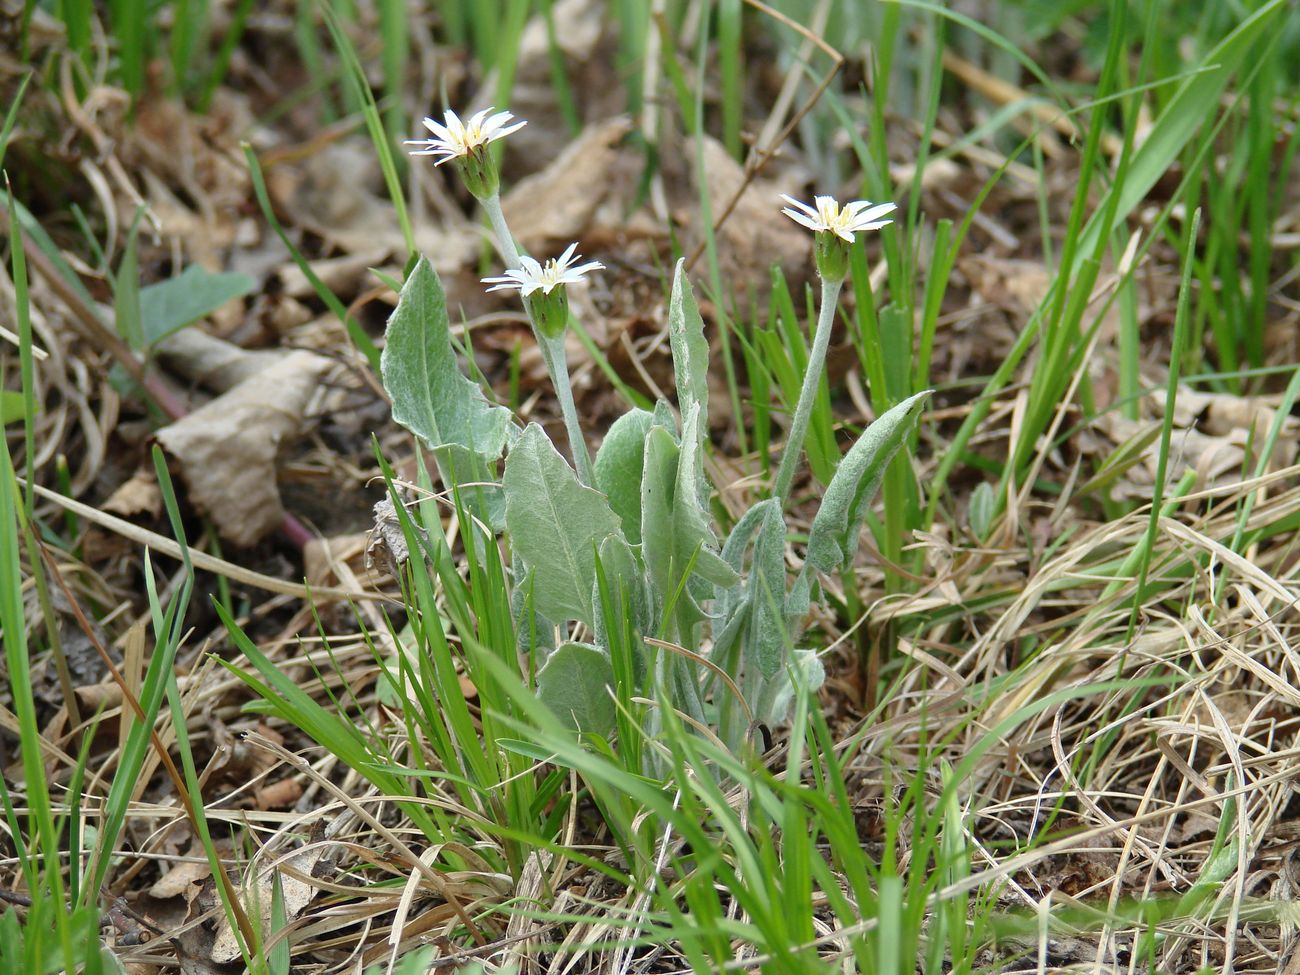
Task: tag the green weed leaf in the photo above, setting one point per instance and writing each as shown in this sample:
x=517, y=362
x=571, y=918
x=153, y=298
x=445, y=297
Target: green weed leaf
x=168, y=306
x=983, y=506
x=11, y=407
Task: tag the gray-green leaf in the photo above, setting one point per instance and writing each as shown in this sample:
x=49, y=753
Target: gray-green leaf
x=690, y=349
x=733, y=553
x=625, y=590
x=477, y=477
x=431, y=397
x=664, y=417
x=805, y=673
x=658, y=484
x=768, y=637
x=575, y=684
x=534, y=633
x=692, y=521
x=619, y=463
x=555, y=525
x=834, y=536
x=675, y=532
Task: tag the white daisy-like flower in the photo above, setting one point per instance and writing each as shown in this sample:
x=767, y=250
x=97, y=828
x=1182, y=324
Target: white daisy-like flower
x=843, y=222
x=455, y=139
x=534, y=276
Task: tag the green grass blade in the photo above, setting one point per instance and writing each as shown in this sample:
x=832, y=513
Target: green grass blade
x=358, y=335
x=355, y=77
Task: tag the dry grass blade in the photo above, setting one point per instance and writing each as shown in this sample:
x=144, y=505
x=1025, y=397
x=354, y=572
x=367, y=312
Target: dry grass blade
x=166, y=546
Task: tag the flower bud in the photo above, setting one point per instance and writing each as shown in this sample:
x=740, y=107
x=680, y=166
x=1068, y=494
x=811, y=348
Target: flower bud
x=478, y=171
x=832, y=255
x=550, y=311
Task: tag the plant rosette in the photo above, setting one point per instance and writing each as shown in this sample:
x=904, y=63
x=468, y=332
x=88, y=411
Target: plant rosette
x=629, y=545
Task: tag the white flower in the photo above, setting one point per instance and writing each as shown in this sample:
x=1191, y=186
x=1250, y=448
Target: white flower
x=843, y=223
x=455, y=139
x=534, y=277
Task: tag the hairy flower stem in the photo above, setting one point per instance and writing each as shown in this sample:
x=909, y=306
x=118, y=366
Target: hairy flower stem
x=505, y=242
x=552, y=349
x=808, y=392
x=558, y=367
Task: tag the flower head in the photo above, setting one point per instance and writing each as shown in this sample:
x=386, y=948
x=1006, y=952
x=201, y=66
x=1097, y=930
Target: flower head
x=536, y=277
x=835, y=228
x=549, y=310
x=456, y=139
x=828, y=217
x=466, y=144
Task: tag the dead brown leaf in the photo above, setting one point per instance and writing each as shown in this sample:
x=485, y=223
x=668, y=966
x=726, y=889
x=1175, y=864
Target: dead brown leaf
x=227, y=450
x=1211, y=434
x=295, y=888
x=184, y=879
x=212, y=362
x=139, y=494
x=281, y=794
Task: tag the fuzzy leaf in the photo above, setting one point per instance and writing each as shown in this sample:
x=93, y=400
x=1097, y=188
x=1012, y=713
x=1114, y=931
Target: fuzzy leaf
x=431, y=397
x=658, y=485
x=834, y=536
x=534, y=633
x=664, y=417
x=690, y=349
x=733, y=553
x=773, y=705
x=477, y=478
x=626, y=593
x=675, y=531
x=575, y=684
x=619, y=463
x=555, y=525
x=691, y=519
x=768, y=637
